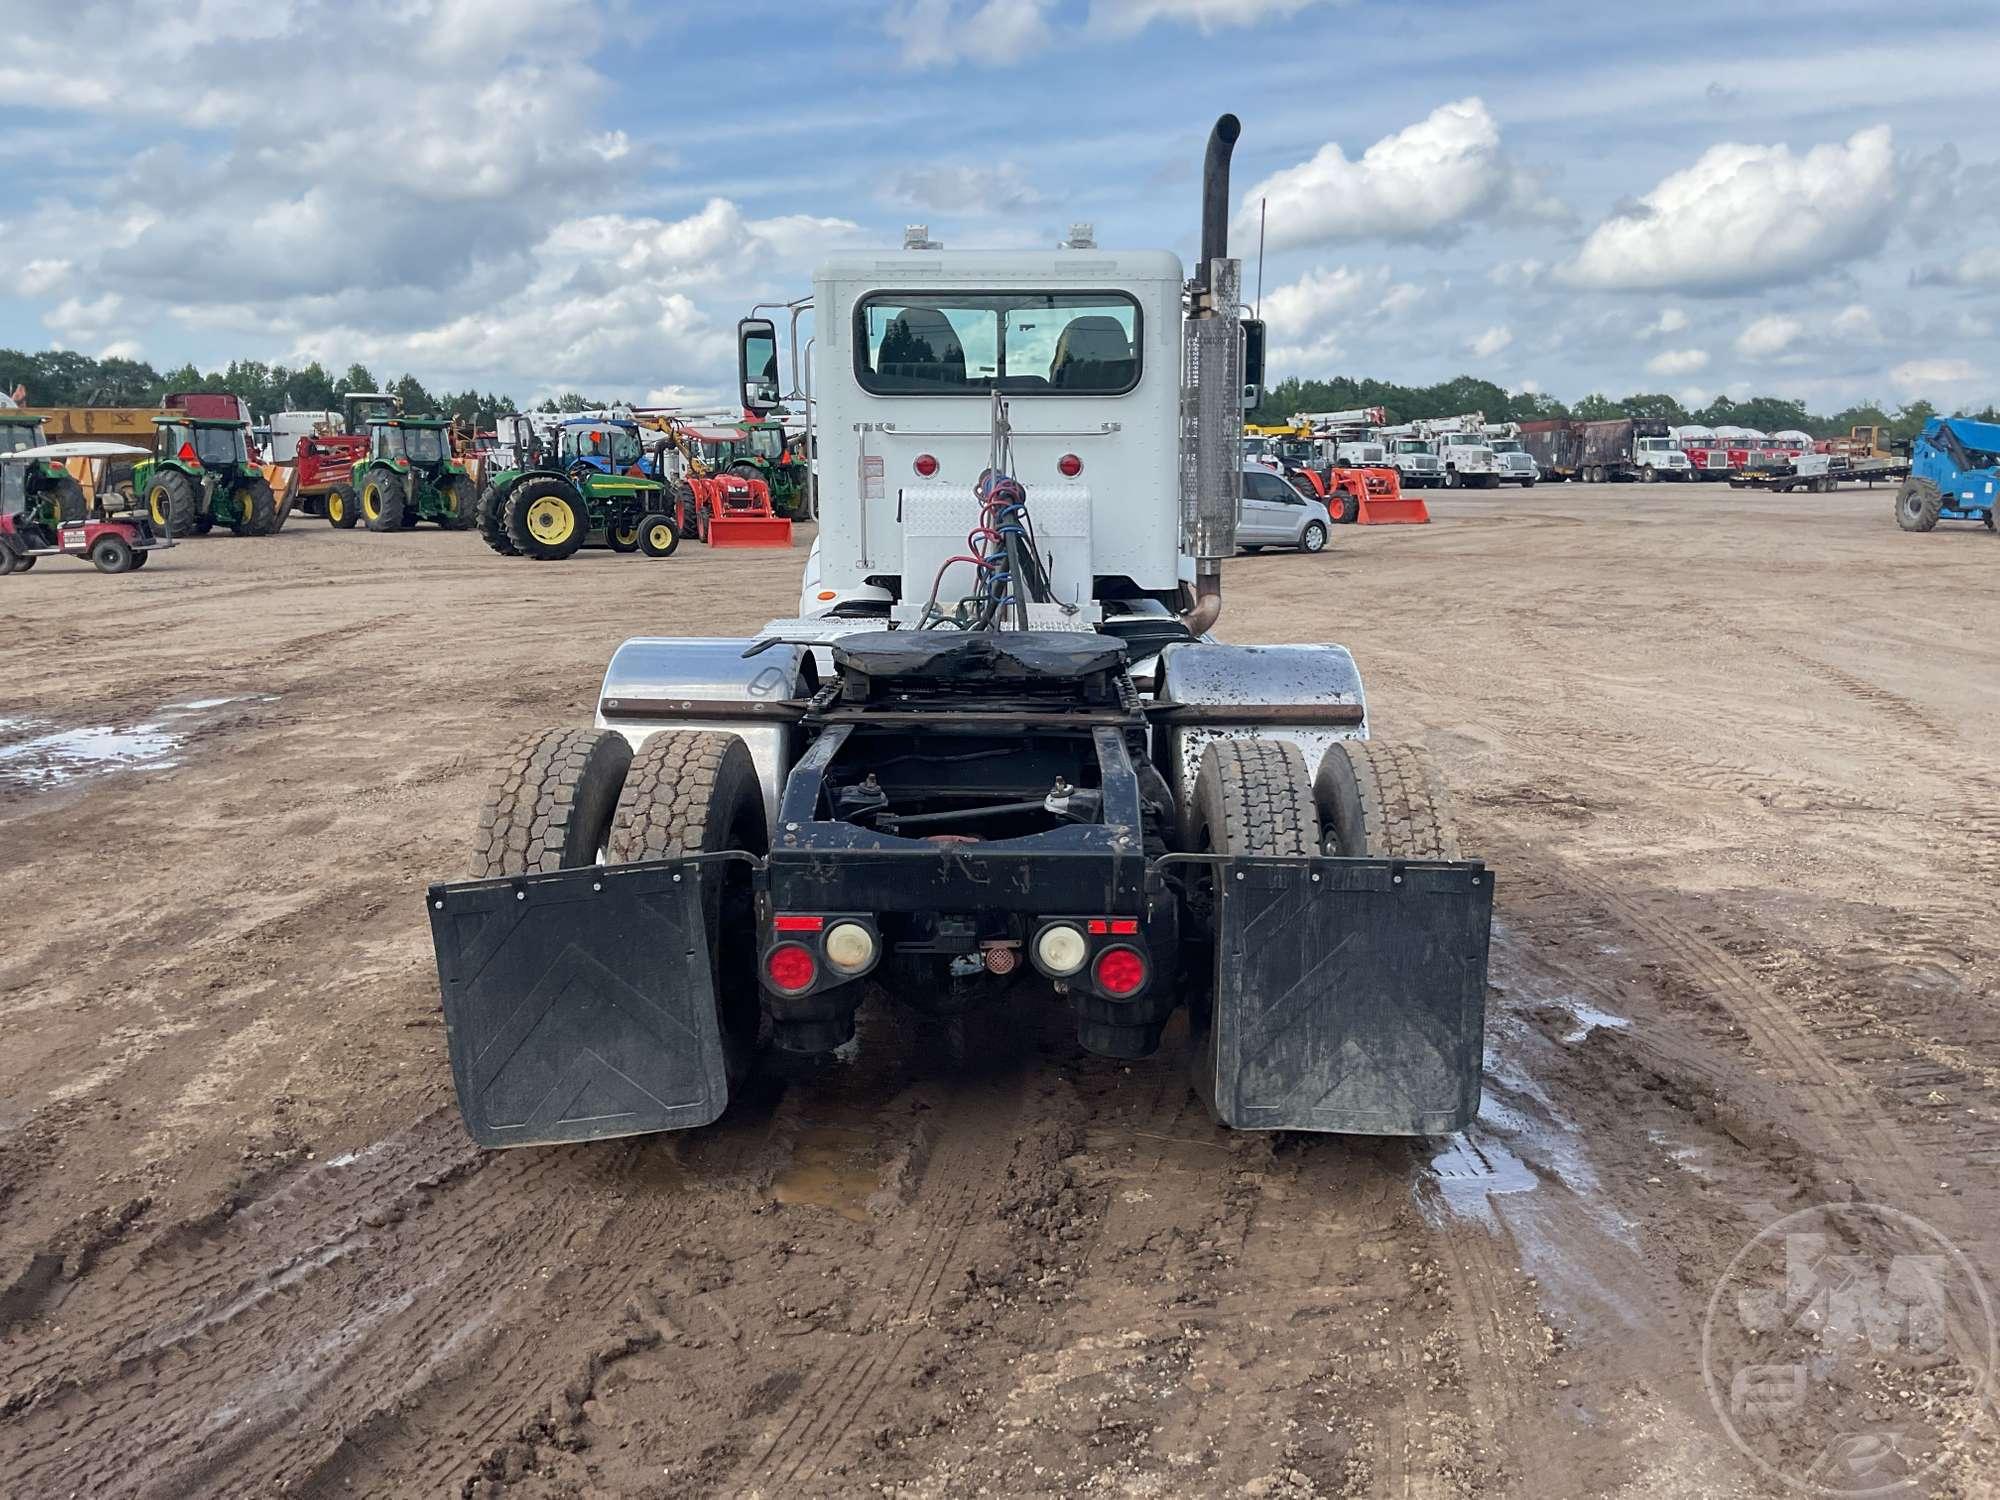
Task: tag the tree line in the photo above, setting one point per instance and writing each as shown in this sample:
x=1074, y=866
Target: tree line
x=62, y=377
x=1465, y=393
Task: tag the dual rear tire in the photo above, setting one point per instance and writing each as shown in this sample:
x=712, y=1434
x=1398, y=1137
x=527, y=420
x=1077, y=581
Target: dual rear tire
x=1371, y=799
x=571, y=798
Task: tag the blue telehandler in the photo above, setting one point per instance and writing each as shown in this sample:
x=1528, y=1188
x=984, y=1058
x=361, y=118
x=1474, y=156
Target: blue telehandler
x=1954, y=474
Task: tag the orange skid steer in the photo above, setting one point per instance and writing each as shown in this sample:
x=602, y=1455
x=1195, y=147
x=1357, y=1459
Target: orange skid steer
x=1374, y=497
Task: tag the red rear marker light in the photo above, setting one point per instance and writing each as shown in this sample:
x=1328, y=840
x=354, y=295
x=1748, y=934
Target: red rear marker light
x=798, y=924
x=925, y=466
x=790, y=968
x=1113, y=926
x=1070, y=465
x=1119, y=971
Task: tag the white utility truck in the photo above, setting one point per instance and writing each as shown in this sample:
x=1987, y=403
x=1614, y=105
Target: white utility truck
x=1467, y=458
x=1517, y=464
x=998, y=750
x=1413, y=458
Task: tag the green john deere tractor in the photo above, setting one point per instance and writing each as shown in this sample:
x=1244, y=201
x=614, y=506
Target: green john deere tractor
x=52, y=489
x=761, y=454
x=203, y=475
x=582, y=498
x=409, y=476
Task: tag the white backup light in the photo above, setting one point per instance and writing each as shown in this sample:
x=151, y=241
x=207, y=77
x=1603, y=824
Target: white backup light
x=1061, y=949
x=849, y=947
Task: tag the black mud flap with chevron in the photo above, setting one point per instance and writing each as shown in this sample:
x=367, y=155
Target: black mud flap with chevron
x=1350, y=995
x=579, y=1005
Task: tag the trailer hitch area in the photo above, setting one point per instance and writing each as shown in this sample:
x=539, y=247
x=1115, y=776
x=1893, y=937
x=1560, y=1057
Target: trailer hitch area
x=582, y=1004
x=1349, y=995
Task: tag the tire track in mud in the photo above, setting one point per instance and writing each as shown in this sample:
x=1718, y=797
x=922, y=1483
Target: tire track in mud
x=1835, y=1114
x=976, y=1139
x=334, y=1296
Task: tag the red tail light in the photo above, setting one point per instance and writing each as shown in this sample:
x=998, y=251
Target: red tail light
x=791, y=968
x=1070, y=465
x=926, y=465
x=1120, y=971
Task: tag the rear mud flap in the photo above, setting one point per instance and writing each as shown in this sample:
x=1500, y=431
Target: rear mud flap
x=1350, y=995
x=579, y=1005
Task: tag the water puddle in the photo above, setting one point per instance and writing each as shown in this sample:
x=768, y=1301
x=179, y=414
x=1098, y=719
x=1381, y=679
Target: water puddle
x=40, y=762
x=835, y=1167
x=1473, y=1169
x=1588, y=1018
x=203, y=705
x=52, y=759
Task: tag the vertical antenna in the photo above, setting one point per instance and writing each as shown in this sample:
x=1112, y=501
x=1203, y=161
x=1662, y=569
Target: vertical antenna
x=1258, y=311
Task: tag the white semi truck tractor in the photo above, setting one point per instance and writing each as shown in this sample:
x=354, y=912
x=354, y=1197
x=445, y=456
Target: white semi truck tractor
x=999, y=745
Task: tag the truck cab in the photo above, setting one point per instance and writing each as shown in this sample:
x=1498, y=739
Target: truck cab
x=1467, y=458
x=1416, y=461
x=1517, y=464
x=1082, y=347
x=1661, y=458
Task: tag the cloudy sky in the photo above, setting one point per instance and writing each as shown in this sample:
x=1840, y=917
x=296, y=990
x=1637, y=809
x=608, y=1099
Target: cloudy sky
x=533, y=195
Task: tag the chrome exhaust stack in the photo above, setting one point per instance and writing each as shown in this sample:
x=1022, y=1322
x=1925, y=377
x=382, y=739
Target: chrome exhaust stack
x=1212, y=390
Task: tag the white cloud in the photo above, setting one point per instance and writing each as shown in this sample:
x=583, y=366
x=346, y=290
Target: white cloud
x=1670, y=320
x=1400, y=298
x=1316, y=296
x=1525, y=272
x=1125, y=17
x=1769, y=335
x=606, y=305
x=75, y=320
x=121, y=349
x=1677, y=362
x=1425, y=181
x=1915, y=376
x=1856, y=324
x=937, y=33
x=1748, y=216
x=999, y=189
x=1490, y=343
x=1978, y=268
x=37, y=278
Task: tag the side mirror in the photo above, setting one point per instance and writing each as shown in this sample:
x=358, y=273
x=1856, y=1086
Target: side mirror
x=1253, y=362
x=757, y=363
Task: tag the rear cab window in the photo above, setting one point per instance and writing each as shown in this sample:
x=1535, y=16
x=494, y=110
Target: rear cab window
x=1023, y=343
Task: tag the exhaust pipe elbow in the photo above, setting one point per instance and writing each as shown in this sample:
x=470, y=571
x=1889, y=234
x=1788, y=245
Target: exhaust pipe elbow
x=1207, y=604
x=1215, y=193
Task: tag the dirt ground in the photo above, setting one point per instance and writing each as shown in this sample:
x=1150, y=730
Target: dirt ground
x=1735, y=761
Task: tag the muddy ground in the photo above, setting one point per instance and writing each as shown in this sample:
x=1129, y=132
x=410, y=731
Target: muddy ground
x=1735, y=760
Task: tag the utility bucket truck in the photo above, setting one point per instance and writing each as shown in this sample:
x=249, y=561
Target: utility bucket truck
x=998, y=759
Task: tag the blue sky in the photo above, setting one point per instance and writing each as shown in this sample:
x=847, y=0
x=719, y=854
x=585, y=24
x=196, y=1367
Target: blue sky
x=1696, y=198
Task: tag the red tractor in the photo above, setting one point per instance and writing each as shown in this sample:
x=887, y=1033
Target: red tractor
x=1372, y=497
x=323, y=457
x=713, y=501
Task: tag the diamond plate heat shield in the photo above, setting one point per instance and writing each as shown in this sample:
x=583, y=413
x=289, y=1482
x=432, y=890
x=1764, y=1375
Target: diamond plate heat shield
x=579, y=1005
x=1350, y=995
x=1212, y=420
